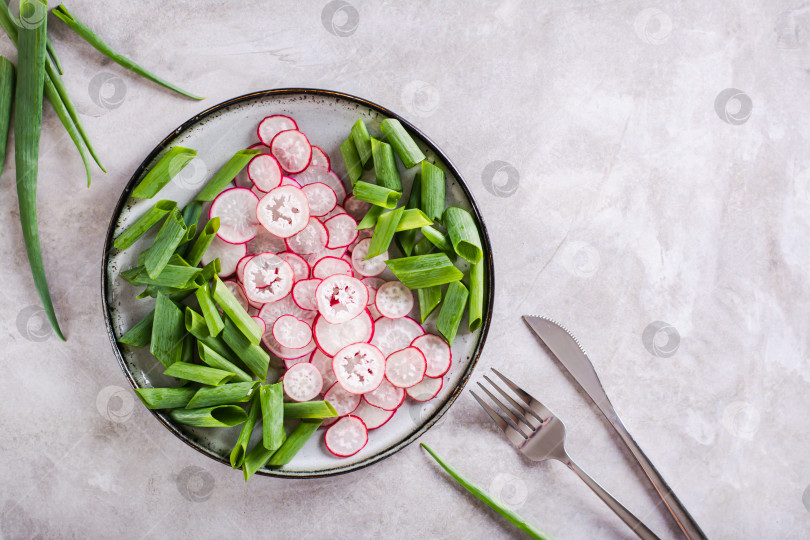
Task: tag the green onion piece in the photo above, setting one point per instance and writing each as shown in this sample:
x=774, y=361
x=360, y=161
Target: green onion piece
x=171, y=233
x=429, y=298
x=7, y=81
x=201, y=374
x=168, y=329
x=210, y=270
x=439, y=240
x=407, y=239
x=403, y=143
x=202, y=242
x=384, y=232
x=227, y=394
x=422, y=271
x=191, y=214
x=140, y=334
x=272, y=400
x=423, y=247
x=513, y=518
x=385, y=167
x=152, y=216
x=165, y=398
x=295, y=441
x=455, y=301
x=309, y=409
x=226, y=174
x=432, y=190
x=231, y=307
x=254, y=357
x=195, y=324
x=362, y=142
x=463, y=233
x=413, y=218
x=176, y=277
x=217, y=344
x=354, y=167
x=53, y=56
x=255, y=460
x=171, y=163
x=212, y=358
x=69, y=19
x=476, y=295
x=187, y=355
x=376, y=195
x=240, y=449
x=209, y=310
x=219, y=416
x=370, y=219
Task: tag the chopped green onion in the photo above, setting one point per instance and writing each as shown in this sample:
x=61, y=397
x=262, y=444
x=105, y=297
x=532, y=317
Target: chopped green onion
x=403, y=143
x=295, y=441
x=195, y=324
x=177, y=277
x=272, y=400
x=432, y=190
x=413, y=218
x=140, y=334
x=188, y=349
x=376, y=195
x=235, y=312
x=407, y=239
x=227, y=394
x=53, y=56
x=214, y=359
x=152, y=216
x=209, y=310
x=202, y=242
x=191, y=215
x=69, y=19
x=254, y=357
x=354, y=167
x=463, y=233
x=240, y=448
x=362, y=142
x=171, y=233
x=309, y=409
x=385, y=167
x=423, y=247
x=370, y=219
x=439, y=240
x=7, y=81
x=429, y=298
x=165, y=398
x=219, y=416
x=513, y=518
x=384, y=232
x=422, y=271
x=476, y=295
x=226, y=174
x=171, y=163
x=210, y=270
x=217, y=344
x=455, y=301
x=201, y=374
x=168, y=330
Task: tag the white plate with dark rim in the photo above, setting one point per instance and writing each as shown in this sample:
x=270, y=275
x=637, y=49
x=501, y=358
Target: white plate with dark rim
x=217, y=133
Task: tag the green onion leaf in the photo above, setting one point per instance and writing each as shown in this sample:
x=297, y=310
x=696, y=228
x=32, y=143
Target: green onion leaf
x=220, y=416
x=413, y=218
x=384, y=232
x=385, y=167
x=455, y=301
x=407, y=239
x=235, y=312
x=172, y=276
x=168, y=330
x=439, y=240
x=309, y=409
x=295, y=441
x=165, y=398
x=463, y=233
x=212, y=358
x=272, y=400
x=376, y=195
x=240, y=448
x=202, y=242
x=53, y=57
x=476, y=295
x=209, y=310
x=171, y=233
x=171, y=163
x=201, y=374
x=403, y=143
x=432, y=190
x=152, y=216
x=140, y=334
x=255, y=358
x=429, y=298
x=354, y=167
x=7, y=82
x=226, y=174
x=362, y=143
x=422, y=271
x=227, y=394
x=370, y=219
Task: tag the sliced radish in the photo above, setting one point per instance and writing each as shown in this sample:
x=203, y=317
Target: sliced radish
x=341, y=298
x=373, y=417
x=437, y=353
x=342, y=230
x=291, y=332
x=228, y=255
x=236, y=210
x=372, y=267
x=320, y=159
x=391, y=335
x=268, y=278
x=372, y=283
x=303, y=294
x=343, y=401
x=260, y=322
x=359, y=367
x=265, y=242
x=335, y=211
x=323, y=362
x=272, y=126
x=292, y=150
x=393, y=300
x=375, y=315
x=346, y=437
x=284, y=211
x=286, y=306
x=362, y=234
x=406, y=367
x=287, y=181
x=240, y=267
x=322, y=198
x=311, y=239
x=355, y=207
x=386, y=396
x=238, y=292
x=337, y=253
x=331, y=266
x=333, y=337
x=256, y=191
x=265, y=172
x=299, y=265
x=426, y=390
x=302, y=382
x=290, y=362
x=285, y=353
x=315, y=174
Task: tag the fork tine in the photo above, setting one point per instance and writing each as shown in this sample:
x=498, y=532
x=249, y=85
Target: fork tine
x=522, y=411
x=504, y=422
x=507, y=415
x=533, y=404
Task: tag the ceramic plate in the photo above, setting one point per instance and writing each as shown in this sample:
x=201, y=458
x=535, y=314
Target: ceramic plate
x=325, y=117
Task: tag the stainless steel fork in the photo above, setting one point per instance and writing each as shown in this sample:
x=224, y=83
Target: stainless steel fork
x=542, y=438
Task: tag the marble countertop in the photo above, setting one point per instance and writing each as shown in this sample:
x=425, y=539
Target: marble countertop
x=644, y=174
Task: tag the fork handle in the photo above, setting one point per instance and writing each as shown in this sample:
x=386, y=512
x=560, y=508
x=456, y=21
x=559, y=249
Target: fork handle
x=632, y=521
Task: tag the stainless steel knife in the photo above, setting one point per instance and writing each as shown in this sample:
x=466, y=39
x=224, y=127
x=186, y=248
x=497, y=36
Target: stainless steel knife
x=565, y=347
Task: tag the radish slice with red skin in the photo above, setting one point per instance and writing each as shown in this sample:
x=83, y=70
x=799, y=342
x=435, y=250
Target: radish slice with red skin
x=337, y=253
x=268, y=278
x=426, y=390
x=292, y=150
x=256, y=191
x=315, y=174
x=359, y=367
x=373, y=282
x=265, y=242
x=322, y=198
x=286, y=306
x=228, y=255
x=291, y=332
x=342, y=230
x=302, y=382
x=406, y=367
x=320, y=159
x=346, y=437
x=437, y=353
x=391, y=335
x=333, y=337
x=375, y=315
x=311, y=239
x=362, y=234
x=236, y=210
x=260, y=322
x=355, y=207
x=343, y=401
x=393, y=300
x=303, y=294
x=323, y=362
x=372, y=267
x=265, y=172
x=285, y=353
x=271, y=126
x=331, y=266
x=240, y=267
x=373, y=417
x=290, y=362
x=335, y=211
x=299, y=265
x=284, y=211
x=386, y=396
x=341, y=298
x=238, y=292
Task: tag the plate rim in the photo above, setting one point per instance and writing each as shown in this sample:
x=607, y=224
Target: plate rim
x=488, y=259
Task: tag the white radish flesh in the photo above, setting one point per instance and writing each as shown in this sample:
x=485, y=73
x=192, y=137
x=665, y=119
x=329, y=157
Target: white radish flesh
x=302, y=382
x=265, y=242
x=342, y=230
x=238, y=292
x=406, y=367
x=240, y=267
x=268, y=278
x=291, y=332
x=320, y=159
x=298, y=264
x=391, y=335
x=322, y=198
x=303, y=294
x=343, y=401
x=284, y=211
x=271, y=126
x=426, y=390
x=323, y=362
x=346, y=437
x=373, y=417
x=331, y=266
x=311, y=239
x=333, y=337
x=236, y=210
x=265, y=172
x=437, y=354
x=393, y=300
x=372, y=267
x=228, y=255
x=341, y=298
x=359, y=367
x=355, y=207
x=260, y=323
x=292, y=150
x=321, y=174
x=386, y=396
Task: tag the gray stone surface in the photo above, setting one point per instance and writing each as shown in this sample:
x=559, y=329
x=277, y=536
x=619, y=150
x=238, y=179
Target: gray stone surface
x=634, y=188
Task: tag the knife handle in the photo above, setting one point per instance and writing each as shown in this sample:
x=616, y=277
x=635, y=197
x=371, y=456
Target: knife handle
x=685, y=521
